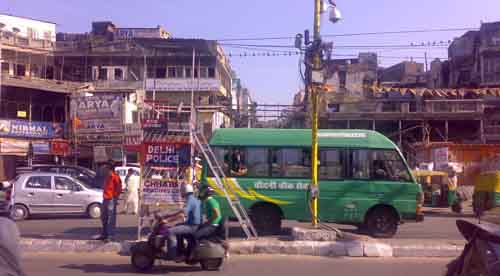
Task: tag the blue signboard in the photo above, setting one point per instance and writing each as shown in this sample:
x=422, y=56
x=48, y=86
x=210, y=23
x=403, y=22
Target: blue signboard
x=26, y=129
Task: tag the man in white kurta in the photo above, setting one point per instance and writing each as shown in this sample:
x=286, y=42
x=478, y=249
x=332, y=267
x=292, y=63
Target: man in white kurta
x=132, y=199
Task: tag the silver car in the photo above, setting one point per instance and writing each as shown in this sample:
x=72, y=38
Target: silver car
x=51, y=193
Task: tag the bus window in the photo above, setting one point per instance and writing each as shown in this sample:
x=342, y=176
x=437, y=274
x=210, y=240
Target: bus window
x=234, y=161
x=360, y=164
x=391, y=163
x=384, y=165
x=292, y=162
x=257, y=162
x=331, y=164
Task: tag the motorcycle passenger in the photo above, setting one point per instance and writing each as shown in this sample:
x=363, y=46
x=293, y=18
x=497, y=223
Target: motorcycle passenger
x=213, y=214
x=192, y=215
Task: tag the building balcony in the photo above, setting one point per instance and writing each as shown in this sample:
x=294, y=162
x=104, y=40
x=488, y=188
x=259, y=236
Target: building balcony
x=429, y=110
x=186, y=85
x=40, y=84
x=9, y=40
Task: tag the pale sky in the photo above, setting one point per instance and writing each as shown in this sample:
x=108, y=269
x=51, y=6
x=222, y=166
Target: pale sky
x=275, y=79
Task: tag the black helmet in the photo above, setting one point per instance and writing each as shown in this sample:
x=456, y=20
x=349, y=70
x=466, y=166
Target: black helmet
x=207, y=191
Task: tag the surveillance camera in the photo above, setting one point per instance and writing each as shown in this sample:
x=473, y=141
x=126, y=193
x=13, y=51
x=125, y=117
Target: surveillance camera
x=335, y=15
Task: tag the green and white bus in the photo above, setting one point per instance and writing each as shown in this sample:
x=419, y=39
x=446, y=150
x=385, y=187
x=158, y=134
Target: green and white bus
x=363, y=178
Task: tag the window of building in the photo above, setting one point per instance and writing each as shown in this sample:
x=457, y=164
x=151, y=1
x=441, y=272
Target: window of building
x=119, y=74
x=36, y=113
x=59, y=114
x=5, y=68
x=172, y=72
x=39, y=182
x=211, y=72
x=294, y=163
x=179, y=72
x=188, y=72
x=161, y=72
x=342, y=79
x=331, y=164
x=203, y=72
x=103, y=74
x=47, y=35
x=48, y=114
x=20, y=70
x=383, y=165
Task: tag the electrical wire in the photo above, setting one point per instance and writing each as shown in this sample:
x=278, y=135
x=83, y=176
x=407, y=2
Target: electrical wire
x=353, y=34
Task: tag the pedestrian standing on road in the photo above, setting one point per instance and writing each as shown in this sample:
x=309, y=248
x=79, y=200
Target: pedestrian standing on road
x=111, y=193
x=132, y=199
x=10, y=257
x=452, y=187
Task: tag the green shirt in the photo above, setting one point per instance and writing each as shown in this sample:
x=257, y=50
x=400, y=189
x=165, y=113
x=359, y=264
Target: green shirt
x=210, y=205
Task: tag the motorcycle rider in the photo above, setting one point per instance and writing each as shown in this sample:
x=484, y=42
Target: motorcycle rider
x=192, y=215
x=213, y=214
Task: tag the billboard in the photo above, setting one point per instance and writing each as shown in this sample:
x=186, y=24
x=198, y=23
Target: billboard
x=166, y=155
x=161, y=191
x=101, y=113
x=27, y=129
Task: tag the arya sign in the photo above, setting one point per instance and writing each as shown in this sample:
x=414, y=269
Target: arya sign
x=183, y=85
x=27, y=129
x=98, y=113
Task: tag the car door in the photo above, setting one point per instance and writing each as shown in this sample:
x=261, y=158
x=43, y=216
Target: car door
x=37, y=194
x=68, y=196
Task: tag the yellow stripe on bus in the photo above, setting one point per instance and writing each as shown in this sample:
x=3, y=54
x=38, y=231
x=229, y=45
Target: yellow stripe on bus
x=250, y=195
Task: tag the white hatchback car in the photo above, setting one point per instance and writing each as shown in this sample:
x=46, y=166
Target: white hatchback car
x=51, y=193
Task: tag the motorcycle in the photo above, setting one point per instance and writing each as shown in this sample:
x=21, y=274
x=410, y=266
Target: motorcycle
x=209, y=252
x=481, y=254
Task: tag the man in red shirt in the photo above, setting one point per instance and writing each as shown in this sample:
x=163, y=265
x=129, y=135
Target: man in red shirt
x=111, y=192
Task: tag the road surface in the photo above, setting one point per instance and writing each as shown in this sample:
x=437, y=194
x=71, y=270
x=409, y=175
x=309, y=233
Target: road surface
x=103, y=265
x=435, y=226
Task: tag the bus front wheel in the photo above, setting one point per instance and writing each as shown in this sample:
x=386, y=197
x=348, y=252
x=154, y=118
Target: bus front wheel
x=266, y=219
x=382, y=222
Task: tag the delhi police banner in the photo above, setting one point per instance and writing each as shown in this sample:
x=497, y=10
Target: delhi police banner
x=27, y=129
x=166, y=155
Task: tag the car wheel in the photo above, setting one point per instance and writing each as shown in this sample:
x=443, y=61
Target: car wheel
x=266, y=219
x=19, y=212
x=382, y=223
x=211, y=264
x=94, y=211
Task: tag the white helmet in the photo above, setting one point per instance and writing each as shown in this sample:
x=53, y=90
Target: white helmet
x=188, y=188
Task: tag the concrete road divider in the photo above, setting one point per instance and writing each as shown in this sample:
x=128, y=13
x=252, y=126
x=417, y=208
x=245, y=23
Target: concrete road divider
x=349, y=248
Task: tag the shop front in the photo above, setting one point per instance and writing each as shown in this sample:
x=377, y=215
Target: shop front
x=23, y=143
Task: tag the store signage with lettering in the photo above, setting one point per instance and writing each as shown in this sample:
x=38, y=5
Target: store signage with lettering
x=59, y=148
x=166, y=155
x=183, y=85
x=27, y=129
x=161, y=191
x=98, y=113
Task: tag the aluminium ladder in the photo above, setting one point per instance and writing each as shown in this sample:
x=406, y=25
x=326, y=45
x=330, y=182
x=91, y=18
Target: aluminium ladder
x=220, y=179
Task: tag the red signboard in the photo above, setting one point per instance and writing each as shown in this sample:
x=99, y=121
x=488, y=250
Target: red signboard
x=59, y=147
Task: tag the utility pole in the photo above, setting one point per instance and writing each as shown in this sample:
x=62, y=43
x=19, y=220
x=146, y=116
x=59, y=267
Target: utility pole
x=314, y=102
x=315, y=84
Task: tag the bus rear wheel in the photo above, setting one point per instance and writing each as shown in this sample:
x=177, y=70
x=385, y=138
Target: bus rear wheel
x=382, y=222
x=266, y=219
